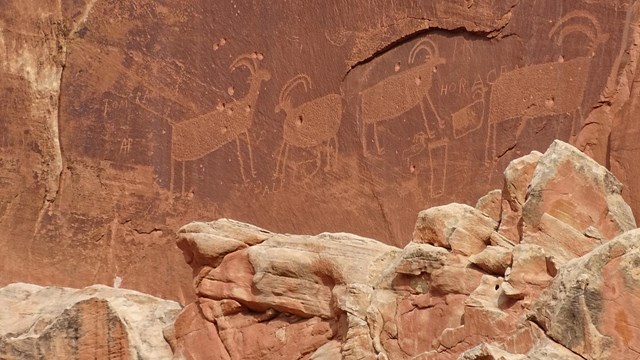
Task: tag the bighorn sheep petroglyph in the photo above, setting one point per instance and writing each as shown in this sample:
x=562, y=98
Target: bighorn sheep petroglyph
x=544, y=89
x=194, y=138
x=309, y=125
x=399, y=93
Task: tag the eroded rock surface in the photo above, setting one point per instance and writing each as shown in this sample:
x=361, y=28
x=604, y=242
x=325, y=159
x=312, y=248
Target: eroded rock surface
x=97, y=322
x=123, y=120
x=559, y=281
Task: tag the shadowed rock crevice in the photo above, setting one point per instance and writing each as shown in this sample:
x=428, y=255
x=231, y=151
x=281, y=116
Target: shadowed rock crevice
x=430, y=28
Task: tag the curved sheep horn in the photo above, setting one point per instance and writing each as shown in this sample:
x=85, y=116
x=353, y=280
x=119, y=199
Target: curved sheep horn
x=591, y=29
x=579, y=28
x=244, y=60
x=425, y=44
x=298, y=79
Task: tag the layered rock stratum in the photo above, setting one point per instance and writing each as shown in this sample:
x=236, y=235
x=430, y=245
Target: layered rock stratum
x=545, y=268
x=121, y=121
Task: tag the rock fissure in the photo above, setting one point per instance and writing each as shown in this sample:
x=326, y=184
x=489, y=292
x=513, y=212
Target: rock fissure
x=556, y=342
x=429, y=28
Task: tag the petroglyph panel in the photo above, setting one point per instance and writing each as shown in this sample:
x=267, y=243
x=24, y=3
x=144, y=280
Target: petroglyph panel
x=199, y=136
x=311, y=125
x=298, y=117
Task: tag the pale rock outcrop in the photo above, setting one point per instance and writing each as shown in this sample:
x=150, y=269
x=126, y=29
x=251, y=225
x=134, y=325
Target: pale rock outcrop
x=517, y=177
x=97, y=322
x=509, y=279
x=461, y=228
x=593, y=305
x=573, y=204
x=490, y=204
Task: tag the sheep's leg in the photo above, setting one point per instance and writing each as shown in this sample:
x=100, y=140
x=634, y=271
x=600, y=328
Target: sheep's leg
x=182, y=192
x=331, y=163
x=244, y=178
x=335, y=155
x=576, y=121
x=375, y=138
x=363, y=131
x=279, y=162
x=318, y=162
x=363, y=138
x=327, y=150
x=521, y=126
x=283, y=168
x=253, y=171
x=172, y=175
x=490, y=146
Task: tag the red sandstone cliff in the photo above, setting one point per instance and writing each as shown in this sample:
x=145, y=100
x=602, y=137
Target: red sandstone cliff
x=121, y=121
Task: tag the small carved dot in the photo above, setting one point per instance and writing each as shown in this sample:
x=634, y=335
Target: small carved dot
x=230, y=90
x=247, y=108
x=299, y=122
x=260, y=56
x=412, y=169
x=220, y=106
x=229, y=111
x=397, y=67
x=418, y=80
x=549, y=103
x=222, y=41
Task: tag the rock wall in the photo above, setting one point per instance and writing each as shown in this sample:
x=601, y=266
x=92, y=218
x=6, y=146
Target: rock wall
x=543, y=269
x=124, y=120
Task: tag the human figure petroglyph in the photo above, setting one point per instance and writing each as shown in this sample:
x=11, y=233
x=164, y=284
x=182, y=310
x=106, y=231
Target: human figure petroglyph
x=438, y=160
x=544, y=89
x=194, y=138
x=464, y=121
x=399, y=93
x=309, y=125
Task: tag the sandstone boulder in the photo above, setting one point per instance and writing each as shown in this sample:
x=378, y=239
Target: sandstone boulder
x=97, y=322
x=490, y=204
x=517, y=177
x=461, y=228
x=569, y=198
x=592, y=305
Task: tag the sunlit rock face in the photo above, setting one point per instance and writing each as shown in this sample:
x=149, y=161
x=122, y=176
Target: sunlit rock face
x=123, y=120
x=545, y=271
x=97, y=322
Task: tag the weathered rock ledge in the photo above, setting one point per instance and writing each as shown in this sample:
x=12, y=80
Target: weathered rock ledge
x=545, y=268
